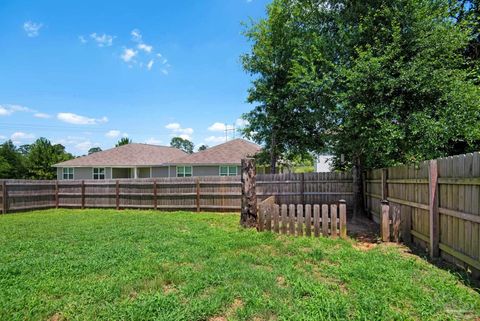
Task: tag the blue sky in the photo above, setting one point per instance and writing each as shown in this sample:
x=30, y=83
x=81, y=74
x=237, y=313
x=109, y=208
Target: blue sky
x=85, y=73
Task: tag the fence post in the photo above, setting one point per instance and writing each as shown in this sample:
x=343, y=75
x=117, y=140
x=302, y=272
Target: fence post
x=83, y=194
x=56, y=194
x=155, y=193
x=384, y=183
x=248, y=217
x=343, y=219
x=4, y=197
x=433, y=208
x=302, y=188
x=365, y=199
x=197, y=188
x=385, y=221
x=117, y=194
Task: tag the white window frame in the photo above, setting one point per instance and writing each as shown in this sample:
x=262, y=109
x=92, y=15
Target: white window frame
x=228, y=170
x=184, y=167
x=104, y=173
x=68, y=173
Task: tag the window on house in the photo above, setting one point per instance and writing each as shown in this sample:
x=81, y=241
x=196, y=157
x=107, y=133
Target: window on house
x=184, y=171
x=99, y=173
x=228, y=170
x=67, y=173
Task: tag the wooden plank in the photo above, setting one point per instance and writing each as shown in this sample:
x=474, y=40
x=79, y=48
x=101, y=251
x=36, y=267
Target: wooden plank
x=261, y=217
x=284, y=218
x=333, y=220
x=56, y=194
x=385, y=221
x=268, y=216
x=4, y=198
x=412, y=204
x=117, y=195
x=302, y=188
x=460, y=215
x=343, y=219
x=422, y=237
x=408, y=181
x=83, y=195
x=300, y=219
x=325, y=220
x=291, y=216
x=155, y=195
x=197, y=194
x=276, y=217
x=323, y=181
x=460, y=256
x=305, y=193
x=459, y=181
x=384, y=183
x=316, y=220
x=308, y=220
x=433, y=209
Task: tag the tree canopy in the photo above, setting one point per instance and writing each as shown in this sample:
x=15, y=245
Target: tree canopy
x=380, y=82
x=123, y=141
x=183, y=144
x=94, y=150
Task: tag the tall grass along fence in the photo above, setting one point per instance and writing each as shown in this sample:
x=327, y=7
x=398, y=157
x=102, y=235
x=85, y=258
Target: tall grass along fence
x=211, y=193
x=300, y=220
x=435, y=204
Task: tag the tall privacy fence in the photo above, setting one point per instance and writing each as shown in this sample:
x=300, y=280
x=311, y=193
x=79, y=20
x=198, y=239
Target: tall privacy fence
x=435, y=204
x=212, y=193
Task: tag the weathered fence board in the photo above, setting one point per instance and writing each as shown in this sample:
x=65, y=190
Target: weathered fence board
x=435, y=204
x=333, y=221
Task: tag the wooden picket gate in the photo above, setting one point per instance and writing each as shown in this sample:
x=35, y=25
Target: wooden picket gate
x=299, y=220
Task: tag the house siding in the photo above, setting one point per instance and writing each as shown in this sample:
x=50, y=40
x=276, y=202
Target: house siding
x=83, y=173
x=160, y=171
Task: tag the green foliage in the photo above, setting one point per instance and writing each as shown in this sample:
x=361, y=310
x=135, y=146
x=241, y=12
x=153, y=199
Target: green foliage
x=123, y=141
x=147, y=265
x=42, y=156
x=12, y=163
x=94, y=150
x=183, y=144
x=379, y=82
x=202, y=147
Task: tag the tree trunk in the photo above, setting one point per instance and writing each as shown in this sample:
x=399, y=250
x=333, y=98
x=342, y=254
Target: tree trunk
x=273, y=154
x=248, y=217
x=358, y=206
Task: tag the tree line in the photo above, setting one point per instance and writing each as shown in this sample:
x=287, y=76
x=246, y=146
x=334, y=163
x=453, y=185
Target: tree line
x=375, y=83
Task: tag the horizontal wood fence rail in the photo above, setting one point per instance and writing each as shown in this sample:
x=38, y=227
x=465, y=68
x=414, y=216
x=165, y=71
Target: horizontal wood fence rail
x=212, y=193
x=300, y=220
x=438, y=203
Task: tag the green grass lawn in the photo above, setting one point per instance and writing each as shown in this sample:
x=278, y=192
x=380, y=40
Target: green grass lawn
x=146, y=265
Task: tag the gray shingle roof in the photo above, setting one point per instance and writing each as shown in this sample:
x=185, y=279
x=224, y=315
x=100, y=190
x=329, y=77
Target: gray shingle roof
x=230, y=152
x=127, y=155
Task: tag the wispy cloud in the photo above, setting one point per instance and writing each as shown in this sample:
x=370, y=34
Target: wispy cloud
x=153, y=141
x=215, y=140
x=21, y=137
x=8, y=109
x=102, y=40
x=221, y=127
x=114, y=133
x=82, y=39
x=144, y=47
x=128, y=54
x=150, y=64
x=42, y=115
x=32, y=29
x=72, y=118
x=136, y=35
x=178, y=130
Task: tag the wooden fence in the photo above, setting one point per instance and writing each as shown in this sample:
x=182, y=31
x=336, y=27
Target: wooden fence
x=299, y=220
x=210, y=193
x=435, y=204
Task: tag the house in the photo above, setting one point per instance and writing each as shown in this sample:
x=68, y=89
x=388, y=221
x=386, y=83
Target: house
x=147, y=161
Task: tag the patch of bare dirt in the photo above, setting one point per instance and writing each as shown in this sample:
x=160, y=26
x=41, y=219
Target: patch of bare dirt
x=232, y=309
x=56, y=317
x=281, y=281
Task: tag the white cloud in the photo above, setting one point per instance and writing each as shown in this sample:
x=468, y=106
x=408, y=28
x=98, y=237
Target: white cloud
x=6, y=110
x=21, y=137
x=103, y=40
x=215, y=140
x=82, y=39
x=150, y=65
x=32, y=29
x=241, y=122
x=185, y=136
x=115, y=134
x=177, y=128
x=145, y=47
x=72, y=118
x=153, y=141
x=136, y=35
x=165, y=72
x=84, y=146
x=42, y=115
x=219, y=127
x=128, y=54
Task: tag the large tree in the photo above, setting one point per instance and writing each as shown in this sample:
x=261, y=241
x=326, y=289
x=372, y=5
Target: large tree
x=380, y=82
x=12, y=163
x=183, y=144
x=42, y=156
